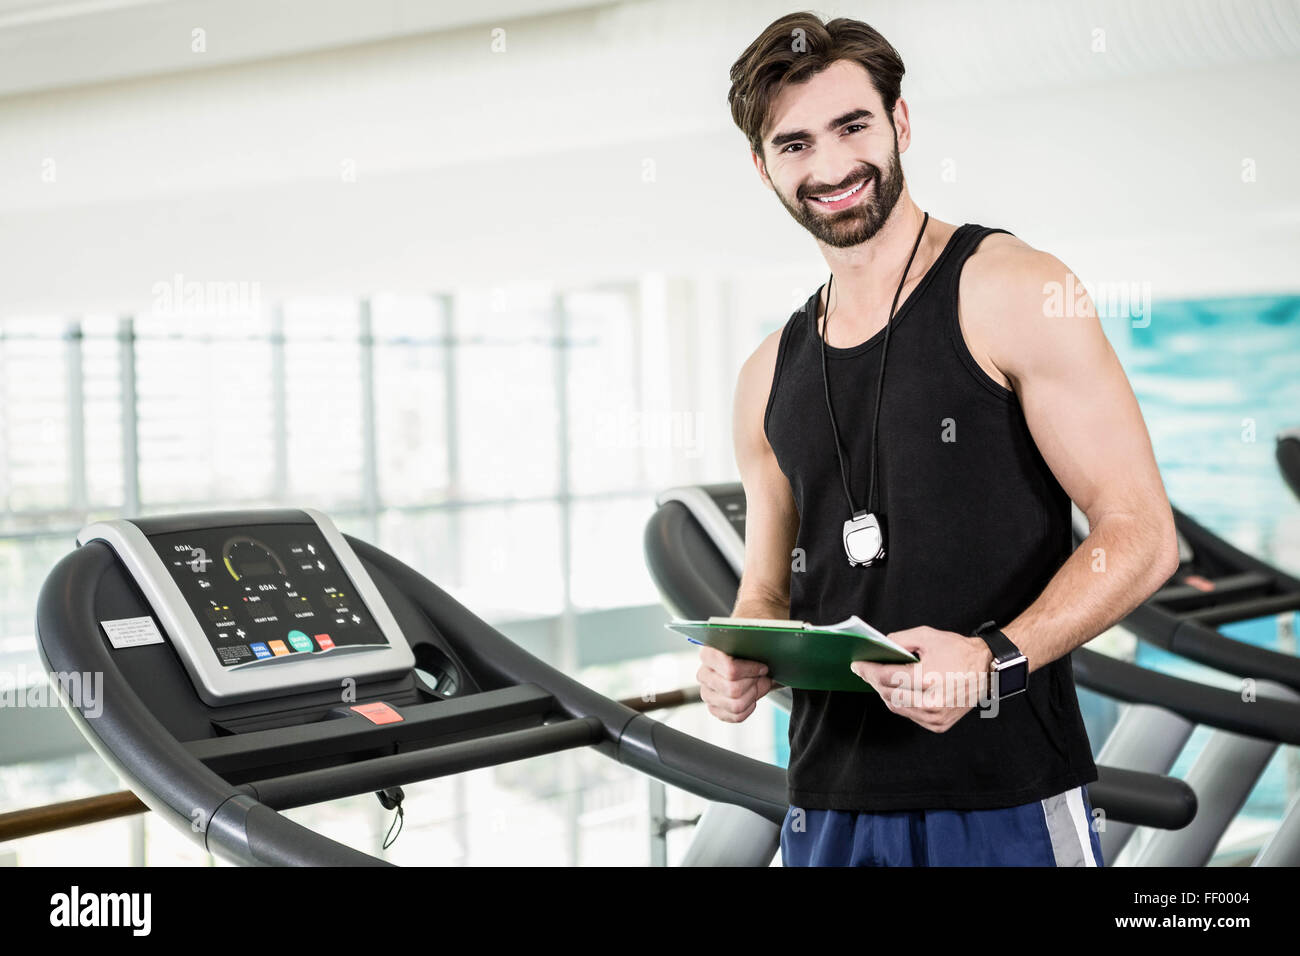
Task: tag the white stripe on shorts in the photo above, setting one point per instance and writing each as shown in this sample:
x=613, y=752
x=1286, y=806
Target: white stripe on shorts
x=1068, y=826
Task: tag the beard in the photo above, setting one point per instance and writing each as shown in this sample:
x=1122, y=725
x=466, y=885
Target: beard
x=862, y=220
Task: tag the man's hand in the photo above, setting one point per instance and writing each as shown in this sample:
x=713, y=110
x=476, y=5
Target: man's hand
x=951, y=677
x=731, y=686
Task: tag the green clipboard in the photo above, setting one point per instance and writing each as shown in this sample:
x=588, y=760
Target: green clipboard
x=807, y=657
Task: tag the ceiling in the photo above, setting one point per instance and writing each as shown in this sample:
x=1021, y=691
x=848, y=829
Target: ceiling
x=53, y=44
x=968, y=47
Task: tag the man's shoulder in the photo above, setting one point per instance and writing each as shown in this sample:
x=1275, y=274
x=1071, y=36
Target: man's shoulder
x=1007, y=289
x=1006, y=263
x=762, y=361
x=1006, y=277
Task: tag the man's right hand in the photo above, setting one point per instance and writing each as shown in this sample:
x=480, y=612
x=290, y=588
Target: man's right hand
x=731, y=686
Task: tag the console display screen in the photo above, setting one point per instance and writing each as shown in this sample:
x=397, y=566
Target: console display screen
x=267, y=593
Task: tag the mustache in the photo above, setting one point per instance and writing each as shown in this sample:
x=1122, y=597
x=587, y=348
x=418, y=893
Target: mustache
x=869, y=175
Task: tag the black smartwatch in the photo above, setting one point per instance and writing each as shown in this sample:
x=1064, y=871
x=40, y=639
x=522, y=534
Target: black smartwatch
x=1009, y=664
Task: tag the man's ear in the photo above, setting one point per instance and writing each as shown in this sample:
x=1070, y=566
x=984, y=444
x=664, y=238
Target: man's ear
x=902, y=124
x=762, y=169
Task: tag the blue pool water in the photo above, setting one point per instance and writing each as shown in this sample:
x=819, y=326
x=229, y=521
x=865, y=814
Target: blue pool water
x=1216, y=380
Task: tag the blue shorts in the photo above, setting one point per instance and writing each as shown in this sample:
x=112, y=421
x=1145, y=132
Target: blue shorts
x=1056, y=831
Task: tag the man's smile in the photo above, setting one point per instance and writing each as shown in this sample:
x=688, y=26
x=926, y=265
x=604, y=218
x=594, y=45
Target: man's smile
x=841, y=200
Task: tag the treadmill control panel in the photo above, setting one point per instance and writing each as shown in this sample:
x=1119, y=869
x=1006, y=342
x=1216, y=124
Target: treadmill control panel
x=258, y=603
x=267, y=593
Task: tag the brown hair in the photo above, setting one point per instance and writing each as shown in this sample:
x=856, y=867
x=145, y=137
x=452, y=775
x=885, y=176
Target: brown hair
x=797, y=47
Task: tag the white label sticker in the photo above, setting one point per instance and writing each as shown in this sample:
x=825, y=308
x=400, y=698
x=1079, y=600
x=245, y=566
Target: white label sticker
x=132, y=632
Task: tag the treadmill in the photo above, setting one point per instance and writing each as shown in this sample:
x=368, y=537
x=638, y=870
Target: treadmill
x=694, y=546
x=233, y=664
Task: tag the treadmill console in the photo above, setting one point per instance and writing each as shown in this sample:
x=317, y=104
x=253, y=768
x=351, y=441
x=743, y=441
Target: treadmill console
x=255, y=607
x=267, y=593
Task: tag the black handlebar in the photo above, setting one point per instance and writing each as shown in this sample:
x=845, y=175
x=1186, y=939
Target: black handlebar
x=1155, y=801
x=1261, y=717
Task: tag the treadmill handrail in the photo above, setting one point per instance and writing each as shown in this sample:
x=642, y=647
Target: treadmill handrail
x=1224, y=709
x=1145, y=799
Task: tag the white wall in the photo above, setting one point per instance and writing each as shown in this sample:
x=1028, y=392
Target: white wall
x=474, y=166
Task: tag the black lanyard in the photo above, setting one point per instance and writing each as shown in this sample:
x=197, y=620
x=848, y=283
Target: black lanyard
x=884, y=352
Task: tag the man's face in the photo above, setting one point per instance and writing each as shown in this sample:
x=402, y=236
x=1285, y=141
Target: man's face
x=831, y=136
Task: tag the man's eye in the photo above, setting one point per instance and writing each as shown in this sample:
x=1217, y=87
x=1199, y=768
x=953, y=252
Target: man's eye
x=851, y=128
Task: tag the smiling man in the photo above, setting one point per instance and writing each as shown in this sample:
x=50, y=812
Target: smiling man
x=909, y=444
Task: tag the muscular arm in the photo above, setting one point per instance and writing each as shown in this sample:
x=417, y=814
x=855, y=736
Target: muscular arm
x=1087, y=425
x=731, y=687
x=771, y=521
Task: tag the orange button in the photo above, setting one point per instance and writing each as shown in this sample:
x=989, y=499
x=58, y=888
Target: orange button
x=278, y=648
x=378, y=713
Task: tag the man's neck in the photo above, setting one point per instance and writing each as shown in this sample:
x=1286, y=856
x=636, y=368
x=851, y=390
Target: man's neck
x=867, y=275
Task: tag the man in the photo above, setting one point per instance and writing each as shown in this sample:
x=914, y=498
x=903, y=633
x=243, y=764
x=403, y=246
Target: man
x=917, y=471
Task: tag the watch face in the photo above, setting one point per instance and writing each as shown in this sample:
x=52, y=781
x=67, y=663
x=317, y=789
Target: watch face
x=1011, y=679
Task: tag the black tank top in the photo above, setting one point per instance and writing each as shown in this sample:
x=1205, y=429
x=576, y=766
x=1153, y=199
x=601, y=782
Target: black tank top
x=976, y=525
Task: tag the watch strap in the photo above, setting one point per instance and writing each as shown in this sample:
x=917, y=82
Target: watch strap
x=1002, y=647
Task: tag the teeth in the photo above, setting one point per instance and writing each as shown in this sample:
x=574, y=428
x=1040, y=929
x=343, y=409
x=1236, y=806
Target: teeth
x=841, y=195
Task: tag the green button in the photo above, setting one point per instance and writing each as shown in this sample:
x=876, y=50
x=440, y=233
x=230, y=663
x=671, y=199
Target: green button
x=300, y=641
